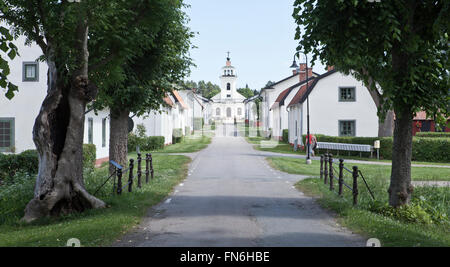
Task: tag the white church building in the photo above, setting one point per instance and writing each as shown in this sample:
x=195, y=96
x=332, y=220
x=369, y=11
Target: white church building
x=228, y=105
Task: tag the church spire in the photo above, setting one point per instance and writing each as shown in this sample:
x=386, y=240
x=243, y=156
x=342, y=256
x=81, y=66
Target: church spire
x=228, y=59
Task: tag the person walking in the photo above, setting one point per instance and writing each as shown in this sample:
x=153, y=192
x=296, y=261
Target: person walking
x=312, y=140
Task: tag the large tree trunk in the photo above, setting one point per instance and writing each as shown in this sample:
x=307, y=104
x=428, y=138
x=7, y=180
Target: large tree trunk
x=401, y=189
x=58, y=134
x=118, y=138
x=386, y=127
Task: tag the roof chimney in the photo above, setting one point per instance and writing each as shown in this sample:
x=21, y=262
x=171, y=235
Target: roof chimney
x=330, y=68
x=303, y=72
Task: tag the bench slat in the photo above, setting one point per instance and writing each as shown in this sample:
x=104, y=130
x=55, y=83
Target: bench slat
x=345, y=147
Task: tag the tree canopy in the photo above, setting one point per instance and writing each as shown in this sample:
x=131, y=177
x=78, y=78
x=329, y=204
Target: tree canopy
x=206, y=89
x=400, y=48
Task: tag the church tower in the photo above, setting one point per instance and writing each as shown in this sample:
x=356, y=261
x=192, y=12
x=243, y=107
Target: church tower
x=228, y=105
x=228, y=82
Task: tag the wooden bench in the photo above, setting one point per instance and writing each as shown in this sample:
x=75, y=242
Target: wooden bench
x=345, y=147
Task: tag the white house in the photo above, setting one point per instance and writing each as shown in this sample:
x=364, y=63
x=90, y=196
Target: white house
x=271, y=125
x=159, y=122
x=17, y=116
x=339, y=105
x=195, y=115
x=228, y=105
x=251, y=115
x=207, y=108
x=179, y=113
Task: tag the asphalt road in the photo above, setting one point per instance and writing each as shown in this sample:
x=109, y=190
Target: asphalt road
x=233, y=198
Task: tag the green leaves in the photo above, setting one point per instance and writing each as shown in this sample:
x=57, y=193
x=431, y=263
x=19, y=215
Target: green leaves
x=403, y=45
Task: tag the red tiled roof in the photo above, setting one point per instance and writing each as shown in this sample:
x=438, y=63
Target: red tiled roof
x=168, y=101
x=302, y=94
x=422, y=116
x=280, y=97
x=179, y=99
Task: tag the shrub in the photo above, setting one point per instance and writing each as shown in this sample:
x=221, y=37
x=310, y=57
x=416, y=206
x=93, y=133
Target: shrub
x=213, y=125
x=424, y=149
x=153, y=143
x=89, y=156
x=286, y=135
x=198, y=124
x=433, y=134
x=26, y=162
x=177, y=135
x=187, y=130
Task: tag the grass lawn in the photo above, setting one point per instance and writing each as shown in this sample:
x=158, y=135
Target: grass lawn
x=283, y=148
x=381, y=172
x=190, y=144
x=93, y=227
x=424, y=223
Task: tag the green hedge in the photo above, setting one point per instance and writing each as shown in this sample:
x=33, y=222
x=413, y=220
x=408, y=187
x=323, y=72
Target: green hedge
x=149, y=143
x=187, y=130
x=28, y=162
x=433, y=134
x=154, y=143
x=424, y=149
x=286, y=135
x=89, y=156
x=177, y=135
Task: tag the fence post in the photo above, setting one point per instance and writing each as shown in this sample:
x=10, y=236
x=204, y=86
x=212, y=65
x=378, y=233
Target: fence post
x=139, y=170
x=151, y=166
x=326, y=169
x=321, y=167
x=147, y=168
x=330, y=158
x=341, y=175
x=355, y=185
x=119, y=181
x=130, y=177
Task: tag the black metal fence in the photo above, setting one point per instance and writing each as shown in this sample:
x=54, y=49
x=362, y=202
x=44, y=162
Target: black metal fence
x=328, y=174
x=119, y=173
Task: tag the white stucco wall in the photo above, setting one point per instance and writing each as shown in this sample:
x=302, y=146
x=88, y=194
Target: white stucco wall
x=157, y=124
x=326, y=110
x=26, y=104
x=269, y=97
x=101, y=147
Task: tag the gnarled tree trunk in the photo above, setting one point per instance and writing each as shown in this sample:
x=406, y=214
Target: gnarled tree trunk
x=118, y=138
x=401, y=189
x=386, y=127
x=58, y=134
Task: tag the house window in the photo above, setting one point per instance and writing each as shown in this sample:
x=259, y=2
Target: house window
x=228, y=86
x=239, y=111
x=229, y=112
x=7, y=135
x=229, y=96
x=104, y=132
x=218, y=112
x=347, y=128
x=90, y=130
x=347, y=94
x=30, y=72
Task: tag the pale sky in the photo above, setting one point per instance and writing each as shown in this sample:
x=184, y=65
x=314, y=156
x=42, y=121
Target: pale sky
x=258, y=33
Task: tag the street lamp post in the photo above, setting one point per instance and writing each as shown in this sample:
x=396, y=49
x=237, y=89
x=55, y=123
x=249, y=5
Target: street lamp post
x=308, y=135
